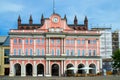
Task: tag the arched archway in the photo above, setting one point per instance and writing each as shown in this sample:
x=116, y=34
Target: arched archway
x=55, y=70
x=17, y=69
x=92, y=71
x=81, y=71
x=69, y=72
x=29, y=69
x=40, y=69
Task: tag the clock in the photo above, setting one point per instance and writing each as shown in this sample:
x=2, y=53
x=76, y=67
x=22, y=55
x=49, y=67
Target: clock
x=55, y=19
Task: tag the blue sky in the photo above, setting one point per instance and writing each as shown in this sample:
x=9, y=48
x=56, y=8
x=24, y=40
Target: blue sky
x=101, y=13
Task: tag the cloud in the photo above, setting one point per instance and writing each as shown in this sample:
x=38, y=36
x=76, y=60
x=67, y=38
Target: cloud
x=10, y=7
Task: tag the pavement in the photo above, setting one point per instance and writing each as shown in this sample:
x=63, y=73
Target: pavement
x=113, y=77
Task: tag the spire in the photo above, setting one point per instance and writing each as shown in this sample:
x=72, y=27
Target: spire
x=19, y=20
x=30, y=20
x=75, y=20
x=86, y=22
x=42, y=19
x=65, y=18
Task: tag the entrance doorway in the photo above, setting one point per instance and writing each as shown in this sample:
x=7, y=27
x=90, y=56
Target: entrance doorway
x=17, y=69
x=55, y=70
x=29, y=70
x=7, y=71
x=40, y=69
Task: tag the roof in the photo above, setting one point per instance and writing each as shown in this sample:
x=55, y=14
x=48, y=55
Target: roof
x=2, y=39
x=7, y=41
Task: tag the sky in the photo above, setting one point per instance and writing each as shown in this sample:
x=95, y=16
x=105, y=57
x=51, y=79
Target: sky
x=100, y=13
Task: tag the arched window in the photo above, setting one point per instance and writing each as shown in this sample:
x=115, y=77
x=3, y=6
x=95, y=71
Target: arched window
x=58, y=52
x=72, y=52
x=26, y=41
x=38, y=51
x=67, y=52
x=26, y=51
x=15, y=41
x=43, y=52
x=19, y=52
x=89, y=52
x=94, y=52
x=83, y=52
x=31, y=41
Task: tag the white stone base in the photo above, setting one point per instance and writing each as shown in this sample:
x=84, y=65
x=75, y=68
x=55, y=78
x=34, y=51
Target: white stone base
x=48, y=75
x=40, y=75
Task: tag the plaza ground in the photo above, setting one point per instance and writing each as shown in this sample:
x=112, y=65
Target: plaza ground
x=115, y=77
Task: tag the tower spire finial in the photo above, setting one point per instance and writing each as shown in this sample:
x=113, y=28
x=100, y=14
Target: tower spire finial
x=53, y=6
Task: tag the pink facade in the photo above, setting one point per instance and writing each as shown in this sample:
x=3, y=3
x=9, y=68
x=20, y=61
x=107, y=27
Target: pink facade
x=53, y=47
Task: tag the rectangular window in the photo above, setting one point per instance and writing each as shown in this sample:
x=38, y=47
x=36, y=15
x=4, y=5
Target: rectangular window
x=26, y=41
x=67, y=52
x=58, y=41
x=52, y=52
x=58, y=52
x=94, y=41
x=31, y=41
x=14, y=51
x=67, y=41
x=19, y=52
x=43, y=41
x=94, y=52
x=6, y=52
x=26, y=52
x=38, y=52
x=52, y=41
x=43, y=52
x=72, y=52
x=83, y=41
x=6, y=60
x=20, y=41
x=89, y=52
x=78, y=52
x=15, y=41
x=83, y=52
x=88, y=41
x=78, y=41
x=72, y=41
x=31, y=51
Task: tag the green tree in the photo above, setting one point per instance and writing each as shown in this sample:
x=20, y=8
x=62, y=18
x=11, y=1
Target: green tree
x=116, y=59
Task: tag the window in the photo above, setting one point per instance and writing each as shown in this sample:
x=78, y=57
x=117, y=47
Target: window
x=58, y=41
x=38, y=52
x=26, y=41
x=31, y=51
x=38, y=41
x=94, y=41
x=83, y=52
x=88, y=41
x=31, y=41
x=52, y=40
x=78, y=52
x=58, y=52
x=19, y=52
x=43, y=52
x=43, y=41
x=26, y=52
x=78, y=41
x=67, y=51
x=94, y=52
x=83, y=41
x=15, y=41
x=72, y=41
x=52, y=52
x=20, y=41
x=6, y=60
x=67, y=41
x=89, y=52
x=6, y=52
x=72, y=52
x=14, y=51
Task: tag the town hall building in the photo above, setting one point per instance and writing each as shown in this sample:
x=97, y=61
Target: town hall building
x=54, y=48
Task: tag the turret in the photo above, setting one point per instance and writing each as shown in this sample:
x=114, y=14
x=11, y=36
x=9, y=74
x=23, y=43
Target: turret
x=65, y=18
x=75, y=20
x=19, y=20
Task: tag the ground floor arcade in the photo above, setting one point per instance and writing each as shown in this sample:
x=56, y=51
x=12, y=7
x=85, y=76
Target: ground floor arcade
x=35, y=67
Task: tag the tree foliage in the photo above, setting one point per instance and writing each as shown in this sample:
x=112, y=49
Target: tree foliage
x=116, y=59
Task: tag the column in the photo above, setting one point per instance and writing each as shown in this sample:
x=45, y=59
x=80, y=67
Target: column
x=46, y=67
x=35, y=69
x=34, y=47
x=62, y=67
x=64, y=45
x=23, y=44
x=86, y=42
x=101, y=64
x=12, y=73
x=49, y=46
x=75, y=67
x=87, y=66
x=23, y=69
x=97, y=48
x=98, y=67
x=49, y=68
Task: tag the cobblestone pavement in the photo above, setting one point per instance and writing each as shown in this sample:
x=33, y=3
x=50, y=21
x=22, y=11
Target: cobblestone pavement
x=61, y=78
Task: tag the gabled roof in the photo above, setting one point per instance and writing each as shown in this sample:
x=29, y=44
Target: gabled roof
x=7, y=41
